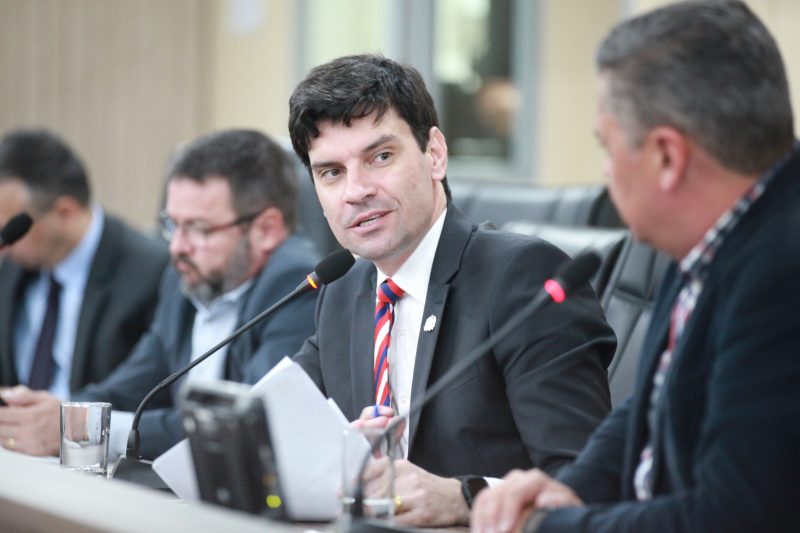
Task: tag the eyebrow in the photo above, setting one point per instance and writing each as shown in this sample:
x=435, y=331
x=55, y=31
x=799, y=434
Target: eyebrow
x=383, y=139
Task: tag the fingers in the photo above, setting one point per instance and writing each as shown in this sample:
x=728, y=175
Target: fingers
x=11, y=417
x=375, y=411
x=377, y=477
x=376, y=468
x=556, y=494
x=31, y=423
x=428, y=500
x=501, y=508
x=374, y=423
x=374, y=416
x=21, y=396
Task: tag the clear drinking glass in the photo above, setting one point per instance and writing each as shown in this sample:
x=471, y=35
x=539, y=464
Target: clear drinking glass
x=84, y=436
x=378, y=476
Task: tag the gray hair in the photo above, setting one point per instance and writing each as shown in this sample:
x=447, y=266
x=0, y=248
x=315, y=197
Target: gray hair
x=712, y=70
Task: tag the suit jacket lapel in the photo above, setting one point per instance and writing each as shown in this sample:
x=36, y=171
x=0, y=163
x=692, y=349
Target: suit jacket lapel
x=426, y=346
x=446, y=263
x=651, y=354
x=95, y=296
x=362, y=345
x=11, y=283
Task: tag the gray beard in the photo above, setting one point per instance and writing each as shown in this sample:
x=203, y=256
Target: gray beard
x=218, y=283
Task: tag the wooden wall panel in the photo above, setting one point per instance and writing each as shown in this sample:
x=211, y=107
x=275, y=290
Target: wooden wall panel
x=118, y=79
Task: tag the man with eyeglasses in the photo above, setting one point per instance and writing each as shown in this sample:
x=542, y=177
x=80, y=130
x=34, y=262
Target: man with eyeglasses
x=229, y=217
x=78, y=290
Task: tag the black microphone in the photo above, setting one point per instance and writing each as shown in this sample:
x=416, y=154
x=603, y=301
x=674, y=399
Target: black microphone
x=15, y=229
x=569, y=276
x=137, y=470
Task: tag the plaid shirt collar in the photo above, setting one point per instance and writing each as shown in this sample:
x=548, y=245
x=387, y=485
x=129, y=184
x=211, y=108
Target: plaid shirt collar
x=696, y=262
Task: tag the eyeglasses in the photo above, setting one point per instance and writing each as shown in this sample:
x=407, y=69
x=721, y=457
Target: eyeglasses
x=198, y=232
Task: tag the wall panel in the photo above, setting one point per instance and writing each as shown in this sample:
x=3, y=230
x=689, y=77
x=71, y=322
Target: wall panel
x=118, y=79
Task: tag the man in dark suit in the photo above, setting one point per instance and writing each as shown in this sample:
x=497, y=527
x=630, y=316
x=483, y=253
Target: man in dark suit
x=367, y=129
x=694, y=112
x=105, y=274
x=229, y=217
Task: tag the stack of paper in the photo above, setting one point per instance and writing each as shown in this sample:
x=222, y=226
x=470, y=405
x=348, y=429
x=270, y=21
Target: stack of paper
x=306, y=431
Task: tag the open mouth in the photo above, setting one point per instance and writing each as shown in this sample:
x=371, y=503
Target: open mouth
x=184, y=266
x=369, y=221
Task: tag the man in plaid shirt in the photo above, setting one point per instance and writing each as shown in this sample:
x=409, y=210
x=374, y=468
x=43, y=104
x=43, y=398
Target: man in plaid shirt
x=694, y=112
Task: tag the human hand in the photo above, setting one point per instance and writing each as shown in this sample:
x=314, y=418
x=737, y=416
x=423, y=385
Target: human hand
x=373, y=416
x=31, y=421
x=426, y=500
x=506, y=507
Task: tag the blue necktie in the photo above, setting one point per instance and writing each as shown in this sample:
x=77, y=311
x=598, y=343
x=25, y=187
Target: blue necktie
x=43, y=363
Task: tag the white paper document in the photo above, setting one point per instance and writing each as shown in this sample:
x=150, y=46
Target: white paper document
x=306, y=434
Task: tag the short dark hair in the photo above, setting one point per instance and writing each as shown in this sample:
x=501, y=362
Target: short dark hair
x=46, y=165
x=353, y=87
x=257, y=169
x=708, y=68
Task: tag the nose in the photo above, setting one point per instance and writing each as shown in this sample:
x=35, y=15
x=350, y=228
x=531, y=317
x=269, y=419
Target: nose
x=359, y=185
x=179, y=244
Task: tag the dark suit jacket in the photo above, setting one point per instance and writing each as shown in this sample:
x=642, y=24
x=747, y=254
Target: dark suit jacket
x=167, y=345
x=118, y=304
x=727, y=442
x=533, y=400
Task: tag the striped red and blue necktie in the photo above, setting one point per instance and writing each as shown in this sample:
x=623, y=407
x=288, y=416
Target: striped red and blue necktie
x=388, y=294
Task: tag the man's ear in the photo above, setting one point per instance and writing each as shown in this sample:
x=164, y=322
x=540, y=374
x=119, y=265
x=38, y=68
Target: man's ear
x=437, y=151
x=670, y=152
x=268, y=230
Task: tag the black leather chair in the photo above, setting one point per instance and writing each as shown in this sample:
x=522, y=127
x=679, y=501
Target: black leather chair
x=606, y=242
x=628, y=301
x=311, y=222
x=503, y=203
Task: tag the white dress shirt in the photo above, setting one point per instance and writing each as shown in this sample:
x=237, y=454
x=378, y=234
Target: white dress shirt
x=211, y=324
x=413, y=277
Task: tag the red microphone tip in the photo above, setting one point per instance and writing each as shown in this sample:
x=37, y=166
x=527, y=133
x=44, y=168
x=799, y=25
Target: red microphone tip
x=555, y=290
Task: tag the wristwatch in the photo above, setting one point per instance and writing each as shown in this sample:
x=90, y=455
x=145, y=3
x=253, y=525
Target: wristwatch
x=470, y=487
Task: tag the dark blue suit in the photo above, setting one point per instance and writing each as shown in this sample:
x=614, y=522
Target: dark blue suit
x=166, y=347
x=118, y=304
x=533, y=400
x=727, y=441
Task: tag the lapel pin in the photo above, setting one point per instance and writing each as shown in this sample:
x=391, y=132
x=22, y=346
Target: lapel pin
x=430, y=323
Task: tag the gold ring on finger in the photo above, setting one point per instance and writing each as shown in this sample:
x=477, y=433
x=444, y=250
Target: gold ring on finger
x=398, y=505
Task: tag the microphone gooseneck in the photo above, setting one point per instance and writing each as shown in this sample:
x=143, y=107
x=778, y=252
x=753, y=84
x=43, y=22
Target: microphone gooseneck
x=15, y=229
x=132, y=467
x=569, y=276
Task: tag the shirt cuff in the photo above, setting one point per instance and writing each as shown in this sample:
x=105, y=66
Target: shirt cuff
x=493, y=481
